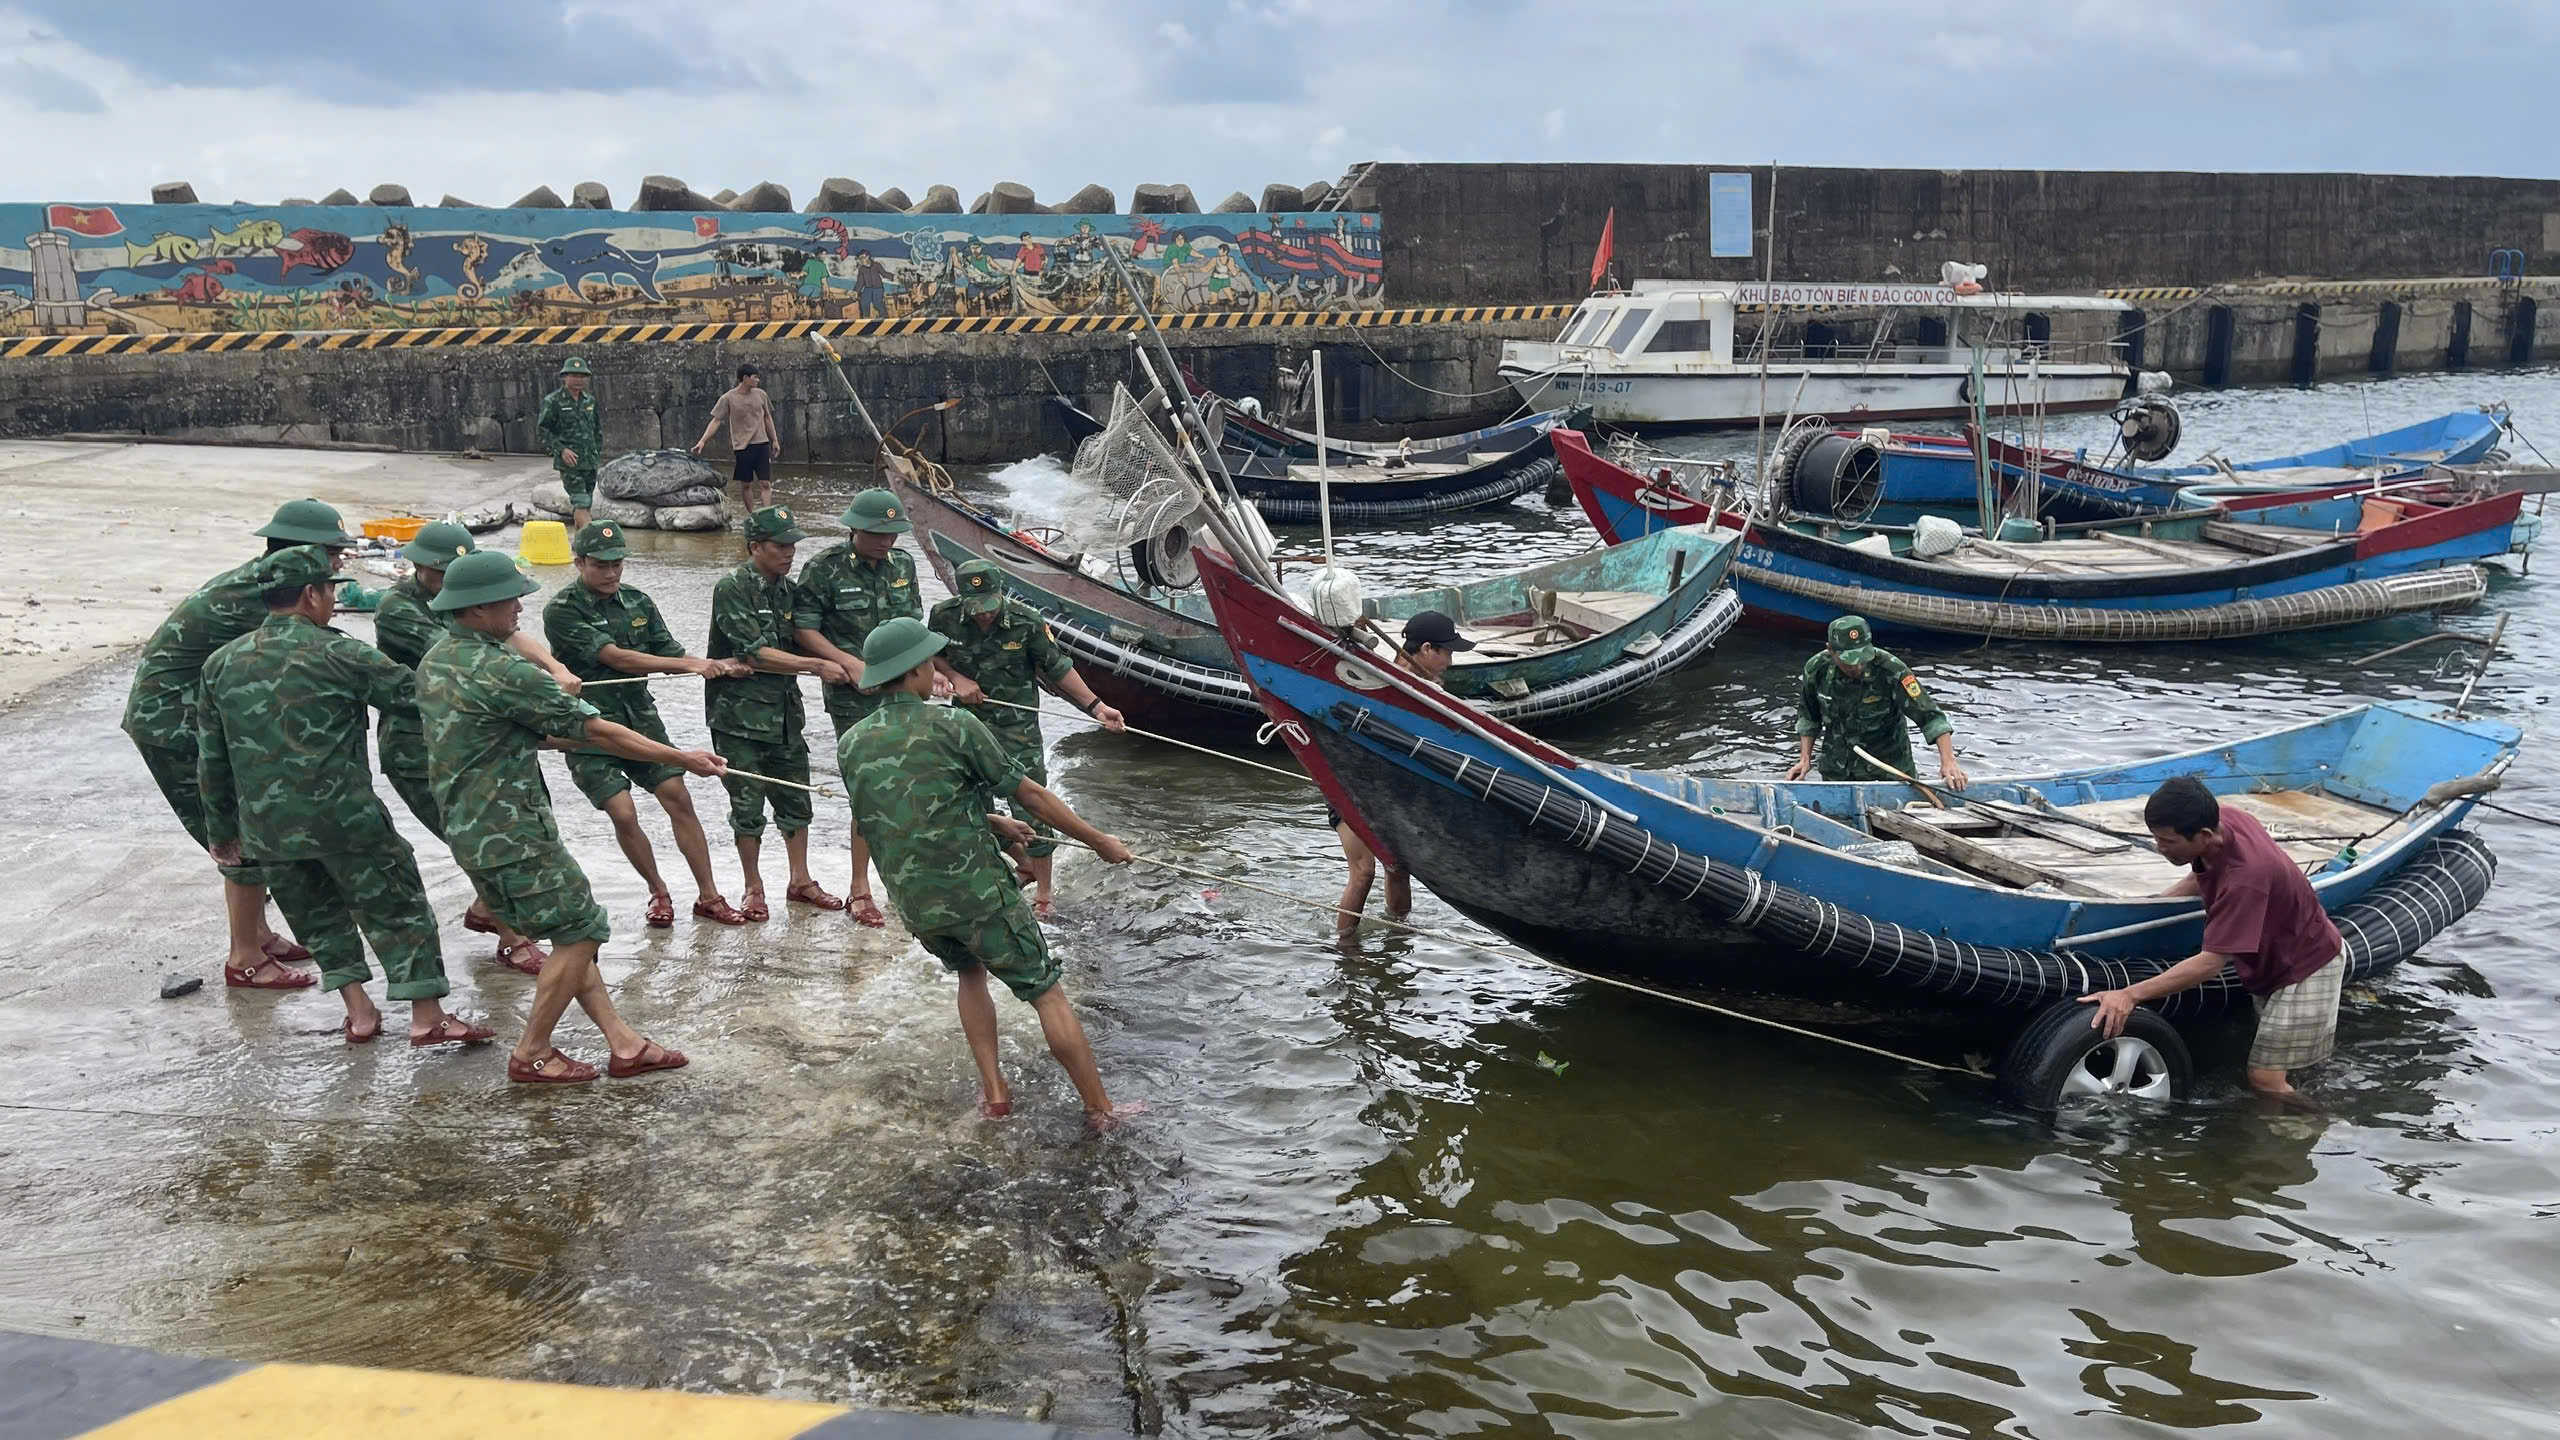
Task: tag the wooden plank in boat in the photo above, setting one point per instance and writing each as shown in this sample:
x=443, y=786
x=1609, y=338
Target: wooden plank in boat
x=1602, y=610
x=2161, y=549
x=2288, y=815
x=1967, y=820
x=2264, y=539
x=1991, y=859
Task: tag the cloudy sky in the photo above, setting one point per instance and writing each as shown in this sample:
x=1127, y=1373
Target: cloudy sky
x=488, y=98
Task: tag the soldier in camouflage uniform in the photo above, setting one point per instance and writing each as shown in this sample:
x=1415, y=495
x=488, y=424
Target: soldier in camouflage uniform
x=1005, y=647
x=756, y=720
x=405, y=629
x=280, y=727
x=1856, y=697
x=487, y=711
x=608, y=630
x=160, y=716
x=844, y=594
x=918, y=778
x=572, y=430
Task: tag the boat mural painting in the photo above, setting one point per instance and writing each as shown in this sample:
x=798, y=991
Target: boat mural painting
x=1156, y=654
x=2204, y=575
x=1851, y=892
x=107, y=269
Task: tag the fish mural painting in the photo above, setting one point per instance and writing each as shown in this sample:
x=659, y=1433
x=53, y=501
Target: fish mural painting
x=120, y=269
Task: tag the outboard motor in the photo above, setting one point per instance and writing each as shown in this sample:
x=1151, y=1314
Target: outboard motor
x=1833, y=475
x=2149, y=426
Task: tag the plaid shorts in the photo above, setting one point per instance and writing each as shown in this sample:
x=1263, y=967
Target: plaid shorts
x=2298, y=1025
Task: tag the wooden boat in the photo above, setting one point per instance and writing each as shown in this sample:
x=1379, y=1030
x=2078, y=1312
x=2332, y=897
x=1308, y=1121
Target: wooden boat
x=2043, y=890
x=1373, y=482
x=1552, y=641
x=2204, y=574
x=1925, y=471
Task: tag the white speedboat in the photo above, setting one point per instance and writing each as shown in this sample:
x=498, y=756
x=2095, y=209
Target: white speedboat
x=1666, y=353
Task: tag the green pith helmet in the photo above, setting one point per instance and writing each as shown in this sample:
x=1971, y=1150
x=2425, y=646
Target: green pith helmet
x=1851, y=641
x=601, y=540
x=307, y=522
x=774, y=523
x=438, y=545
x=877, y=512
x=896, y=647
x=980, y=586
x=300, y=566
x=574, y=366
x=479, y=578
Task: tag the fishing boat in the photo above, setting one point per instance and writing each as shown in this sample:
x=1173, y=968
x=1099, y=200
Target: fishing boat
x=1373, y=482
x=2212, y=573
x=1667, y=354
x=2035, y=891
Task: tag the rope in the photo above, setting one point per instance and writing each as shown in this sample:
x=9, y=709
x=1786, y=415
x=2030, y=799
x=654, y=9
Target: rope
x=1514, y=954
x=1418, y=385
x=1150, y=734
x=2519, y=814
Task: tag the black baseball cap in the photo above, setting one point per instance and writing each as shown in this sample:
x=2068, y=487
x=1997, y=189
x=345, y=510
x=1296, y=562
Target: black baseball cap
x=1433, y=628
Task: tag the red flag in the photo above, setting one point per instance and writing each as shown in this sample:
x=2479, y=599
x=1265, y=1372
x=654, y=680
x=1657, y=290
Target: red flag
x=84, y=220
x=706, y=226
x=1608, y=240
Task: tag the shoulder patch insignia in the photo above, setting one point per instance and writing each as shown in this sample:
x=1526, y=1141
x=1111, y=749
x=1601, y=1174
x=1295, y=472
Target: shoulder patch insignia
x=1911, y=685
x=897, y=580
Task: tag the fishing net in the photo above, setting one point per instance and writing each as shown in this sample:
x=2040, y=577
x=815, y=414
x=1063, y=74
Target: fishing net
x=1139, y=489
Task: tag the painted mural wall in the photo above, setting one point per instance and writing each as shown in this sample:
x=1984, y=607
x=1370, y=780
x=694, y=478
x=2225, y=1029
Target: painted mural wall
x=152, y=269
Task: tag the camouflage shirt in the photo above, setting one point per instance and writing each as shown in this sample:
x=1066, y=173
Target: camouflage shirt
x=280, y=736
x=1008, y=660
x=918, y=777
x=161, y=709
x=1867, y=712
x=406, y=629
x=580, y=623
x=842, y=596
x=571, y=422
x=487, y=710
x=750, y=613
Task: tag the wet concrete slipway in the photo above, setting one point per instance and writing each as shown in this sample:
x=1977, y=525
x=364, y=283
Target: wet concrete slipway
x=1361, y=1204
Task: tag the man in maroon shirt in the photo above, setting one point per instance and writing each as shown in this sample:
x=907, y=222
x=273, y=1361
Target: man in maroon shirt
x=2261, y=918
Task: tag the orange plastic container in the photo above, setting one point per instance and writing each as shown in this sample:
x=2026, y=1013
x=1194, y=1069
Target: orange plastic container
x=402, y=528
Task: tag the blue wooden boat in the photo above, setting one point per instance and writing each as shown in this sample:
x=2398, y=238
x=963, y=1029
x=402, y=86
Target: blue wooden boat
x=2196, y=575
x=1937, y=471
x=1553, y=641
x=1862, y=892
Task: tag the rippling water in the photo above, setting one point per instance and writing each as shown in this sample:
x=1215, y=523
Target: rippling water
x=1362, y=1204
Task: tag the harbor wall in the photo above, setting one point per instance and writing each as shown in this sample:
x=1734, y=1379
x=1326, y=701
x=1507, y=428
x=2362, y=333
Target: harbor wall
x=653, y=395
x=1508, y=234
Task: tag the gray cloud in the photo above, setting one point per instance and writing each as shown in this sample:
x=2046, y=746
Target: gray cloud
x=50, y=90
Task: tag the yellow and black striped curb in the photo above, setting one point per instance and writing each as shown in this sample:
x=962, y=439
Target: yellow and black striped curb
x=2327, y=289
x=444, y=337
x=68, y=1388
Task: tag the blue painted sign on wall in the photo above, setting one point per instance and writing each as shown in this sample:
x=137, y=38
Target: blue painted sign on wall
x=1729, y=217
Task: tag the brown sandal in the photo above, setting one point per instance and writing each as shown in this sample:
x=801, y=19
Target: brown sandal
x=368, y=1037
x=719, y=909
x=570, y=1073
x=524, y=957
x=284, y=979
x=754, y=911
x=276, y=947
x=661, y=913
x=445, y=1034
x=866, y=911
x=810, y=892
x=621, y=1068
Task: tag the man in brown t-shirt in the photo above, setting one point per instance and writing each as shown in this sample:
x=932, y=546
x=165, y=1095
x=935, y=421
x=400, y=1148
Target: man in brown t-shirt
x=748, y=412
x=2261, y=918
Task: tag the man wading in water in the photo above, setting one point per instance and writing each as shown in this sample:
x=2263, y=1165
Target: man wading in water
x=1431, y=645
x=2261, y=918
x=919, y=778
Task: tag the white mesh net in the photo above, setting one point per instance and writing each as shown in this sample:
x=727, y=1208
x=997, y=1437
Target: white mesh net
x=1140, y=488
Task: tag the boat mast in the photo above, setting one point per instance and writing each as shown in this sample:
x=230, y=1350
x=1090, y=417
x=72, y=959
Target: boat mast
x=1768, y=281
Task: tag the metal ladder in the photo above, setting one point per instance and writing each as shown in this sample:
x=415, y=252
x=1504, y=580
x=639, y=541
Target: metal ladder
x=1351, y=180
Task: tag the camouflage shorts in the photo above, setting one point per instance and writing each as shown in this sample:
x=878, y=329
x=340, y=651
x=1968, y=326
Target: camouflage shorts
x=601, y=777
x=782, y=759
x=420, y=797
x=1008, y=944
x=581, y=485
x=545, y=897
x=174, y=771
x=1035, y=768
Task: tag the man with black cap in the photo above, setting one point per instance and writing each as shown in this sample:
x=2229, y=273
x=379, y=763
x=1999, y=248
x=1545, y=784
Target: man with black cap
x=406, y=628
x=757, y=722
x=160, y=716
x=748, y=413
x=609, y=630
x=488, y=711
x=1852, y=697
x=917, y=778
x=572, y=430
x=1431, y=645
